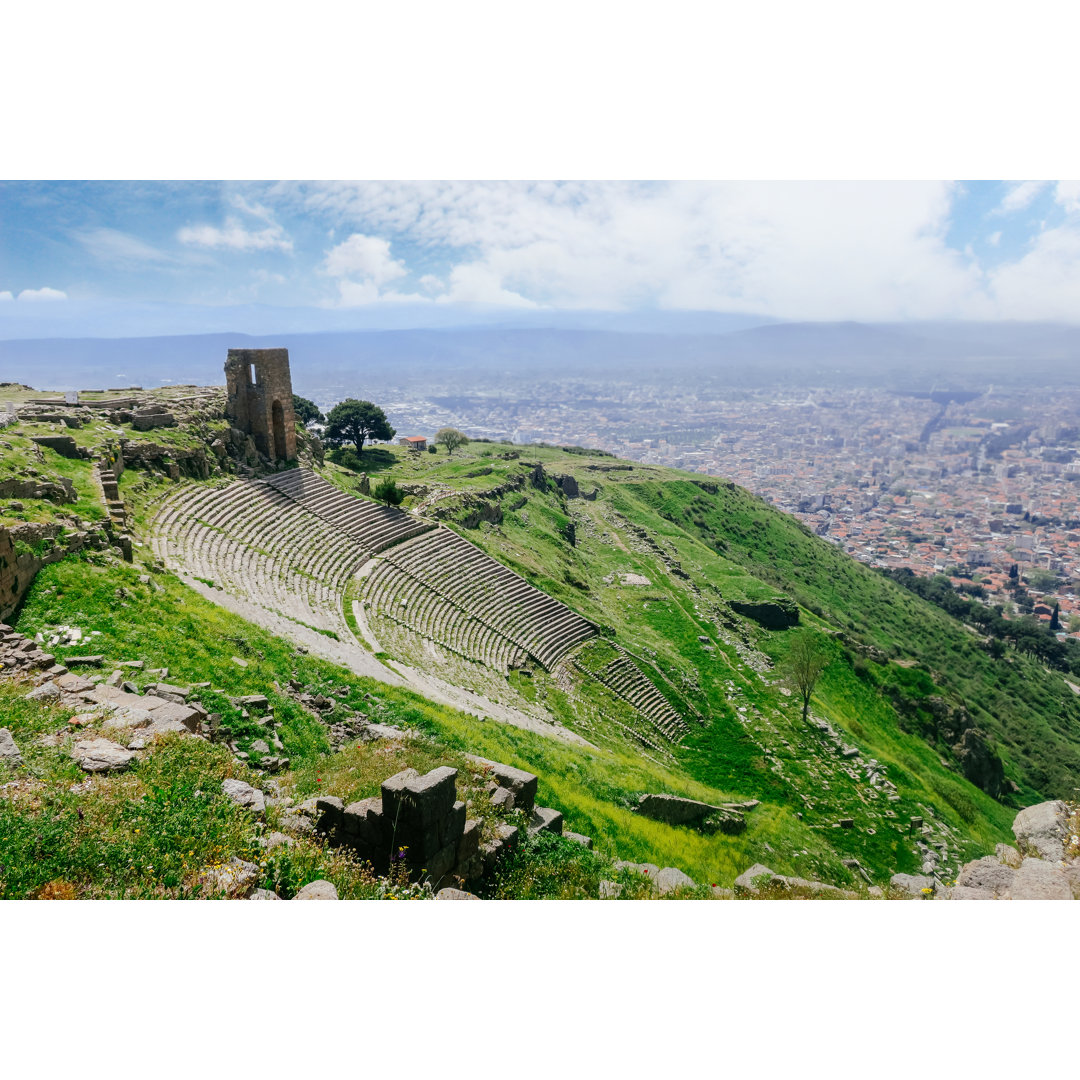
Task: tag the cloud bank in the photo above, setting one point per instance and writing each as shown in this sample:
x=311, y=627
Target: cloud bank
x=836, y=250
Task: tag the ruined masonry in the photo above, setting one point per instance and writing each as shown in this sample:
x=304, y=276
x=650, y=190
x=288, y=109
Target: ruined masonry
x=260, y=400
x=420, y=821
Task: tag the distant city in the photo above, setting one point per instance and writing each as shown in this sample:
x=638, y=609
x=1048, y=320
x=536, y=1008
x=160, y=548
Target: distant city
x=963, y=483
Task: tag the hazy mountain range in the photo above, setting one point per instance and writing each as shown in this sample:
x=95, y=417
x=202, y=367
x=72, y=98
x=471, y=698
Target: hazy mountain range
x=646, y=347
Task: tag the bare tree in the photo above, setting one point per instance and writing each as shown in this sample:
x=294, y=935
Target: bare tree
x=805, y=661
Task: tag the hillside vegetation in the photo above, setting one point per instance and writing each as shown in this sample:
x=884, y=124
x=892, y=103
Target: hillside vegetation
x=693, y=579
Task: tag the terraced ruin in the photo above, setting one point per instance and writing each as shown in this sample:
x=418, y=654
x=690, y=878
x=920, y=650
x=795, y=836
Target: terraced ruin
x=292, y=544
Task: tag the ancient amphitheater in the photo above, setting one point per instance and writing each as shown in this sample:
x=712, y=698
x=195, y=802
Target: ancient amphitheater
x=288, y=547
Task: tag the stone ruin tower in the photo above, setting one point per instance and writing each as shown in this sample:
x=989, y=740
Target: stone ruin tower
x=260, y=401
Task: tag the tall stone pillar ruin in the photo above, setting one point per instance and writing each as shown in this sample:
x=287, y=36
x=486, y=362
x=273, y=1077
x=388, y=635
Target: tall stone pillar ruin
x=260, y=401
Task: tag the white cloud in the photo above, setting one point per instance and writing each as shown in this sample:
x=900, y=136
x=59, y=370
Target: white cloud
x=368, y=259
x=795, y=250
x=234, y=237
x=42, y=294
x=1021, y=194
x=994, y=238
x=364, y=256
x=6, y=295
x=1067, y=194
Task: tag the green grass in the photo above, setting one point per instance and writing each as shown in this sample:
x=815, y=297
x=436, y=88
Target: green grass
x=701, y=544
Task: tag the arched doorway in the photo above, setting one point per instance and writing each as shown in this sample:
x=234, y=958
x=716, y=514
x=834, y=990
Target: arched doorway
x=278, y=450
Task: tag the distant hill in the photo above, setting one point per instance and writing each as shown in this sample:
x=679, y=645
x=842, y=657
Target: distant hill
x=915, y=356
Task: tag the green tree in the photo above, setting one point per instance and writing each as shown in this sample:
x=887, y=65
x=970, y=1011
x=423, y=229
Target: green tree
x=451, y=438
x=805, y=661
x=387, y=491
x=356, y=422
x=1055, y=618
x=306, y=411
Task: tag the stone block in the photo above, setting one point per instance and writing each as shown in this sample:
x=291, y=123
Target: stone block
x=101, y=755
x=508, y=834
x=74, y=684
x=162, y=710
x=440, y=864
x=416, y=809
x=169, y=692
x=674, y=810
x=912, y=884
x=578, y=838
x=523, y=784
x=545, y=819
x=669, y=879
x=752, y=880
x=453, y=825
x=392, y=793
x=331, y=810
x=317, y=890
x=455, y=894
x=9, y=752
x=502, y=797
x=251, y=798
x=469, y=844
x=363, y=828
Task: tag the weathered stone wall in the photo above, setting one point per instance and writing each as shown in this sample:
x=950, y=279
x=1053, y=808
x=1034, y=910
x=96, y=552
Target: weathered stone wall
x=418, y=820
x=259, y=402
x=17, y=570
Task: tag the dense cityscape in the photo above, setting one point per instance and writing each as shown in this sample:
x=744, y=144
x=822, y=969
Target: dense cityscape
x=967, y=484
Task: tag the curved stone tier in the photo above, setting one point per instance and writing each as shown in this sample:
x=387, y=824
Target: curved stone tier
x=623, y=677
x=374, y=526
x=469, y=582
x=292, y=543
x=260, y=545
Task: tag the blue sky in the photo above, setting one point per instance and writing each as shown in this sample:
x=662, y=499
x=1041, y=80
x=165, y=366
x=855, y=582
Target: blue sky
x=786, y=249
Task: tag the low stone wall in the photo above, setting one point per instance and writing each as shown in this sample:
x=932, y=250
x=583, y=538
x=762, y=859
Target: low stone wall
x=60, y=490
x=146, y=421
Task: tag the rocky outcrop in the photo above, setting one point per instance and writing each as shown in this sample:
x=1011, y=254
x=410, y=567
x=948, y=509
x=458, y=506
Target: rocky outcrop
x=675, y=810
x=1042, y=829
x=250, y=798
x=317, y=890
x=977, y=759
x=101, y=755
x=776, y=614
x=9, y=752
x=760, y=879
x=979, y=763
x=1045, y=865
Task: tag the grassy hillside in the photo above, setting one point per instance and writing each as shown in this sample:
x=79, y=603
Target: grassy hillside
x=660, y=561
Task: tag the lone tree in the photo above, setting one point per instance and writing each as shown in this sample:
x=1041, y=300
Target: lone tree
x=306, y=411
x=387, y=491
x=356, y=422
x=451, y=438
x=806, y=660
